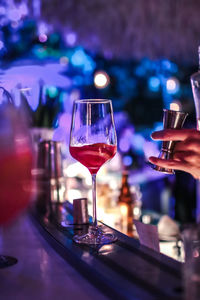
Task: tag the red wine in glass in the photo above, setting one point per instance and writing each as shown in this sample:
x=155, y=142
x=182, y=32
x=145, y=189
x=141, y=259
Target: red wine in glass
x=93, y=156
x=93, y=142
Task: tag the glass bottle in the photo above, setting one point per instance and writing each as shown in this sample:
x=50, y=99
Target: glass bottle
x=125, y=193
x=126, y=205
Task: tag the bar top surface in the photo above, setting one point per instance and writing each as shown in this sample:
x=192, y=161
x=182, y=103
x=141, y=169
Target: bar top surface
x=40, y=273
x=122, y=270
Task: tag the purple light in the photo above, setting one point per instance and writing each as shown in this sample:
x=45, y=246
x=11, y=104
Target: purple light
x=65, y=120
x=61, y=133
x=124, y=145
x=150, y=149
x=2, y=10
x=14, y=15
x=23, y=9
x=43, y=38
x=71, y=38
x=42, y=28
x=36, y=8
x=108, y=54
x=15, y=24
x=138, y=143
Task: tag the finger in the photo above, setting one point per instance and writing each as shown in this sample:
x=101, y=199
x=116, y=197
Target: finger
x=190, y=144
x=185, y=156
x=189, y=157
x=175, y=134
x=170, y=164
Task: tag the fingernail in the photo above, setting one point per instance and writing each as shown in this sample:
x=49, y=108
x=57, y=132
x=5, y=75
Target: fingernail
x=151, y=158
x=153, y=135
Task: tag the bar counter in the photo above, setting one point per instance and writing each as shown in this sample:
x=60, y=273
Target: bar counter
x=51, y=266
x=40, y=272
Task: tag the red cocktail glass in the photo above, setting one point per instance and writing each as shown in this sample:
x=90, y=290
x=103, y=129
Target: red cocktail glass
x=93, y=142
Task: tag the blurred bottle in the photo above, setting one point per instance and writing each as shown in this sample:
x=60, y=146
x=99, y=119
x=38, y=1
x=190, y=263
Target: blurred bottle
x=125, y=193
x=126, y=205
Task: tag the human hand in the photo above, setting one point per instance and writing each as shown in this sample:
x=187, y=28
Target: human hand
x=186, y=154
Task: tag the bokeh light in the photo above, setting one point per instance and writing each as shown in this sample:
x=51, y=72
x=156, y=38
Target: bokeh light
x=172, y=85
x=43, y=38
x=124, y=144
x=176, y=105
x=52, y=91
x=71, y=38
x=64, y=60
x=101, y=79
x=154, y=84
x=127, y=160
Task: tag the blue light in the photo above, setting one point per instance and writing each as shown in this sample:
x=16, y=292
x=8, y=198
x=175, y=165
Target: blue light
x=169, y=66
x=78, y=58
x=81, y=59
x=63, y=97
x=158, y=126
x=89, y=66
x=166, y=64
x=1, y=45
x=127, y=160
x=52, y=91
x=154, y=84
x=140, y=71
x=78, y=80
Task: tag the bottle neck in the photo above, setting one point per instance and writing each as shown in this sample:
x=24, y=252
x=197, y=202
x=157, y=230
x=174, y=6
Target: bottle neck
x=124, y=179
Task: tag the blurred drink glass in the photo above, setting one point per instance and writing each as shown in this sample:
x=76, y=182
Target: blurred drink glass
x=16, y=159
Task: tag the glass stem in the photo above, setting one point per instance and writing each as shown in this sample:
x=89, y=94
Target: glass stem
x=94, y=219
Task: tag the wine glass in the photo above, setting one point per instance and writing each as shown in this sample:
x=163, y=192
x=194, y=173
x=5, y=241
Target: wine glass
x=16, y=160
x=93, y=142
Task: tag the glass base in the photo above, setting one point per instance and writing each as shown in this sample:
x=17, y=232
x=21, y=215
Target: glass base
x=95, y=236
x=7, y=261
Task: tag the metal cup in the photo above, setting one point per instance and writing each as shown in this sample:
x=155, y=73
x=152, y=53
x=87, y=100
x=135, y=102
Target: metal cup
x=80, y=211
x=49, y=179
x=49, y=159
x=171, y=120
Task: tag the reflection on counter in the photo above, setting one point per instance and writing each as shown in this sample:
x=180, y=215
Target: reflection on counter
x=120, y=202
x=116, y=213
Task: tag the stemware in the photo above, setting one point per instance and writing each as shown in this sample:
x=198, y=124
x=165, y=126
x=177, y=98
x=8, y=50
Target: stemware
x=93, y=142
